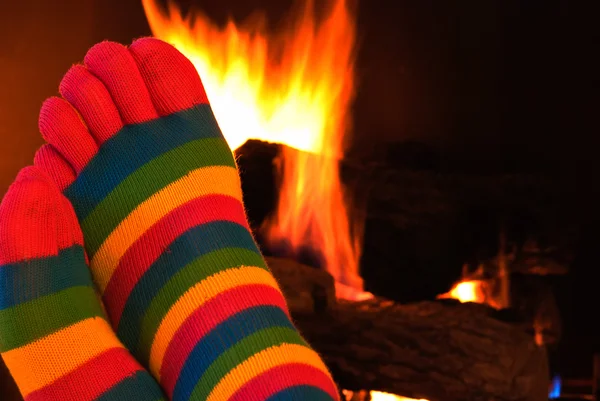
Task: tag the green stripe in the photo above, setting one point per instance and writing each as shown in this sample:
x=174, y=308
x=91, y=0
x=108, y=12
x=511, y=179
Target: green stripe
x=240, y=352
x=132, y=147
x=36, y=319
x=148, y=180
x=192, y=274
x=50, y=274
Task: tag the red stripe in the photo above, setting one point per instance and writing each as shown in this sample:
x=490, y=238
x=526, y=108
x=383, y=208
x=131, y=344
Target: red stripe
x=206, y=318
x=90, y=380
x=281, y=377
x=140, y=256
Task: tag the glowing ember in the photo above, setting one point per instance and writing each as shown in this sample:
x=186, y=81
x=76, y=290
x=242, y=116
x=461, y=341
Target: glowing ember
x=478, y=287
x=295, y=88
x=375, y=396
x=381, y=396
x=467, y=291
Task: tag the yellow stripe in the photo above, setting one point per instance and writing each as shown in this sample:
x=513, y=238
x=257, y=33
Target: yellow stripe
x=197, y=296
x=38, y=364
x=259, y=363
x=222, y=180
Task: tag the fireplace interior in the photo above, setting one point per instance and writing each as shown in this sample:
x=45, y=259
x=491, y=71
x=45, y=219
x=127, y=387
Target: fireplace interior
x=468, y=164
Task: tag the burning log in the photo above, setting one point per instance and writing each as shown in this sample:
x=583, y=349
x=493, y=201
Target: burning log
x=440, y=351
x=428, y=213
x=421, y=226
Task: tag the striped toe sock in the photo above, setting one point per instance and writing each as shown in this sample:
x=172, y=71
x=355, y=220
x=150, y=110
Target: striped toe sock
x=134, y=145
x=53, y=334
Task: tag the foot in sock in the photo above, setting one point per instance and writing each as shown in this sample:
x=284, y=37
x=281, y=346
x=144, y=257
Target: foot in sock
x=53, y=334
x=135, y=147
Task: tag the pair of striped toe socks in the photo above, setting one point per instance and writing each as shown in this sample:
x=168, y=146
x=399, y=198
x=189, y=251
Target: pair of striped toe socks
x=128, y=270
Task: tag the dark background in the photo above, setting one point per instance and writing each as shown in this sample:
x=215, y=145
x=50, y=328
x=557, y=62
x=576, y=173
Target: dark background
x=494, y=86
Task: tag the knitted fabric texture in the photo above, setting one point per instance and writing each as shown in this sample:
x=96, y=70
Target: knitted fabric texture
x=135, y=147
x=54, y=337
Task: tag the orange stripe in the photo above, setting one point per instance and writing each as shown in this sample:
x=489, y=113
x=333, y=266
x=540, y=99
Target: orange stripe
x=197, y=296
x=37, y=364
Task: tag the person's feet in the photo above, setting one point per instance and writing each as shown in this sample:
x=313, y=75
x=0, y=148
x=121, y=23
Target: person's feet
x=53, y=334
x=135, y=147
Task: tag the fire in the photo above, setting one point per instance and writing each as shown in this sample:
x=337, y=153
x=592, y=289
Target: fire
x=555, y=388
x=381, y=396
x=375, y=396
x=467, y=291
x=478, y=287
x=292, y=87
x=471, y=288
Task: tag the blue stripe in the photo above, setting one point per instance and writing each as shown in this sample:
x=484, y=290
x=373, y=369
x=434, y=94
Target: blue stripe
x=189, y=246
x=301, y=393
x=146, y=141
x=140, y=386
x=28, y=280
x=223, y=337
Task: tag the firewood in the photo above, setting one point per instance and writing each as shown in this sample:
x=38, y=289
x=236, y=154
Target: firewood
x=437, y=350
x=306, y=289
x=431, y=350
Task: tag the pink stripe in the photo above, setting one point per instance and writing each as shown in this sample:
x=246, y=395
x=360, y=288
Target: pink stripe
x=206, y=318
x=281, y=377
x=140, y=256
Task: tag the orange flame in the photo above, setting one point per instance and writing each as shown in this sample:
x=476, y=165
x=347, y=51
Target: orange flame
x=375, y=396
x=467, y=291
x=294, y=87
x=475, y=287
x=381, y=396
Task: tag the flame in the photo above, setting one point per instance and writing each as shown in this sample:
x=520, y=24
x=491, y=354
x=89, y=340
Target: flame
x=381, y=396
x=293, y=87
x=375, y=396
x=475, y=287
x=555, y=388
x=467, y=291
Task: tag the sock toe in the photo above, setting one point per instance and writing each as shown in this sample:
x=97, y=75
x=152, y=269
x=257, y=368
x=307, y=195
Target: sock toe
x=170, y=77
x=62, y=127
x=91, y=98
x=48, y=159
x=114, y=65
x=28, y=223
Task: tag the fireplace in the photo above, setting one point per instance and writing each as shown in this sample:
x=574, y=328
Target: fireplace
x=382, y=211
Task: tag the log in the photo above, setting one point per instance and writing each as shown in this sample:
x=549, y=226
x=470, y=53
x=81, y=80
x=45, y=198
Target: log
x=430, y=350
x=306, y=289
x=436, y=350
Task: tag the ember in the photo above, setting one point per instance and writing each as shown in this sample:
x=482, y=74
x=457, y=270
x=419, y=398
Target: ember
x=478, y=287
x=295, y=88
x=375, y=396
